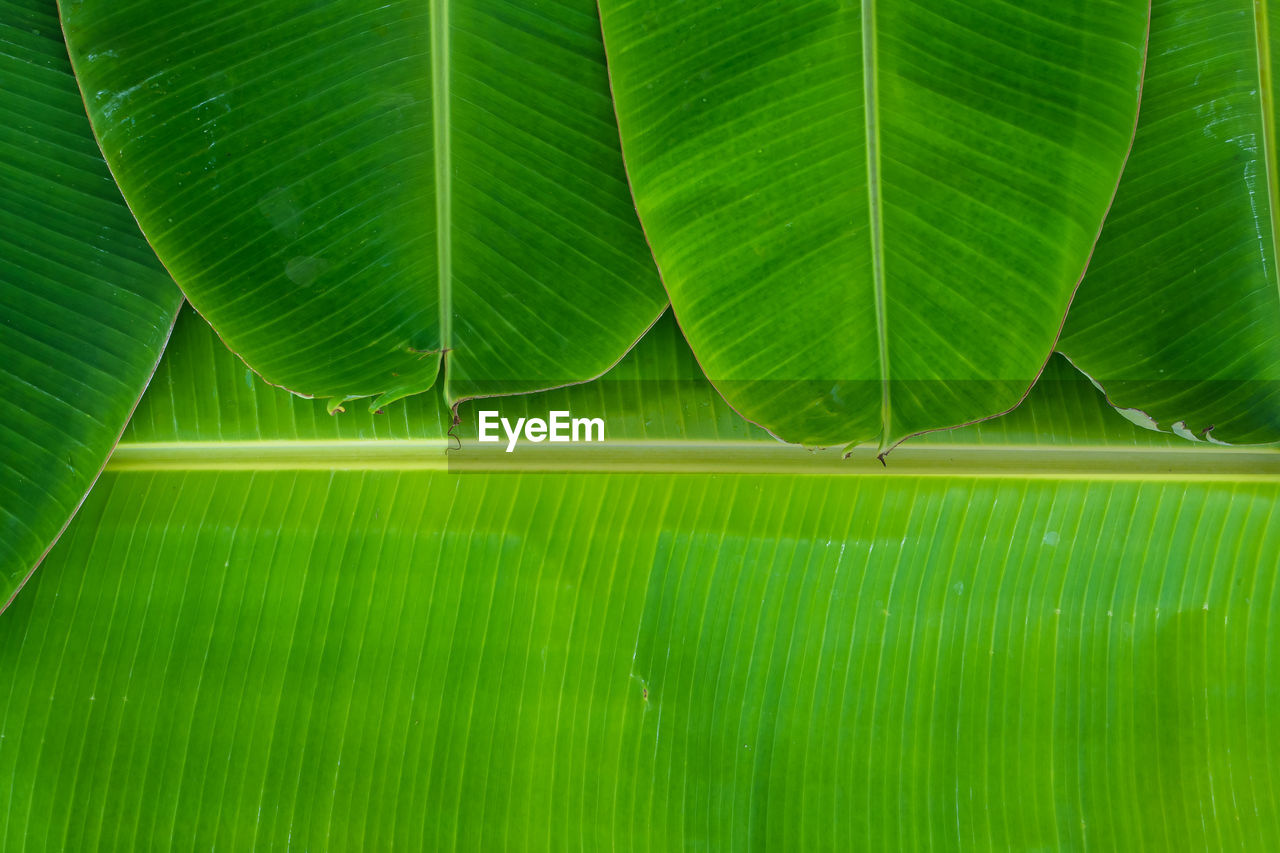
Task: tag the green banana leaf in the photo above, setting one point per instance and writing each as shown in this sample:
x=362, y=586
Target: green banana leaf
x=655, y=392
x=381, y=650
x=655, y=401
x=1178, y=318
x=349, y=190
x=85, y=308
x=870, y=217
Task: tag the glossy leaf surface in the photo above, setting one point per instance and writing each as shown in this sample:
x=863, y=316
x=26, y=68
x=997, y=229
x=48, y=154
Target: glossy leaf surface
x=871, y=217
x=346, y=190
x=85, y=308
x=1179, y=316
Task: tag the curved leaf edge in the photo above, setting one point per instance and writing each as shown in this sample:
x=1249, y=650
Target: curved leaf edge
x=335, y=403
x=1141, y=417
x=106, y=458
x=454, y=402
x=885, y=444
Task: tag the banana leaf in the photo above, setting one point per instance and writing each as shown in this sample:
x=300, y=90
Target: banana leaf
x=871, y=217
x=85, y=307
x=385, y=648
x=347, y=191
x=1178, y=319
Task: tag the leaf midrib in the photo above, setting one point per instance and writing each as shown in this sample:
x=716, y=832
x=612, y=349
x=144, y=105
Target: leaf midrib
x=995, y=461
x=443, y=168
x=871, y=108
x=1262, y=38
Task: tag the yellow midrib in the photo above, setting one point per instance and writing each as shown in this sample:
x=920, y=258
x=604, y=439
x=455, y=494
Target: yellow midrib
x=1084, y=462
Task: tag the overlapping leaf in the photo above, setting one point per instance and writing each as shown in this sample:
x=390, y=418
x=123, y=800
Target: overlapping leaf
x=1178, y=318
x=85, y=308
x=203, y=396
x=348, y=190
x=871, y=217
x=238, y=646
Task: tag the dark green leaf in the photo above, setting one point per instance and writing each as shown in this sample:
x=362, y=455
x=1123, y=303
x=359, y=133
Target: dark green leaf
x=85, y=308
x=346, y=190
x=871, y=217
x=1179, y=316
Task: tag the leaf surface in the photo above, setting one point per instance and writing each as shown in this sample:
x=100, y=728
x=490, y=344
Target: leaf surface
x=347, y=190
x=870, y=218
x=330, y=632
x=1178, y=318
x=426, y=660
x=656, y=403
x=85, y=308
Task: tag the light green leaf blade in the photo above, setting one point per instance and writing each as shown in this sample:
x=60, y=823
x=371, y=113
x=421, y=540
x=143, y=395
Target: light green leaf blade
x=85, y=308
x=202, y=393
x=1179, y=316
x=871, y=217
x=439, y=661
x=348, y=190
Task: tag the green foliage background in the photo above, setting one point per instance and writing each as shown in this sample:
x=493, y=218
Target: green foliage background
x=270, y=626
